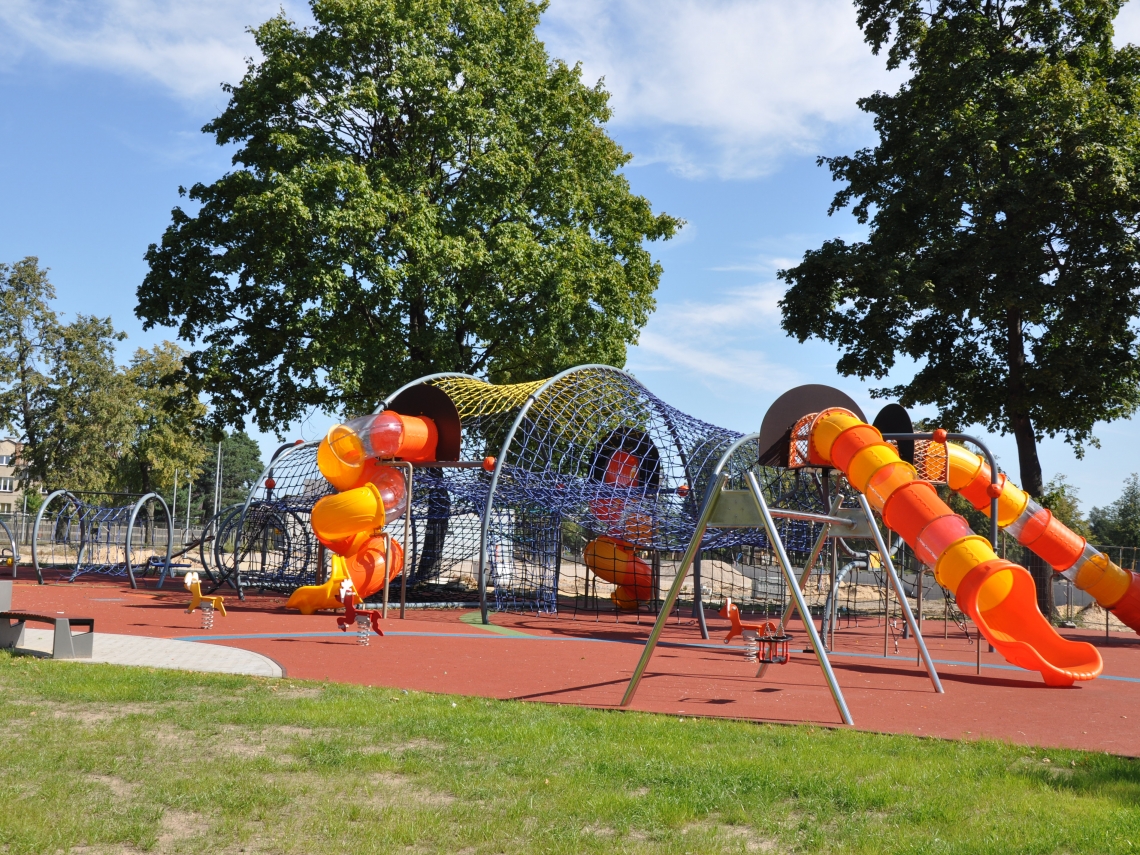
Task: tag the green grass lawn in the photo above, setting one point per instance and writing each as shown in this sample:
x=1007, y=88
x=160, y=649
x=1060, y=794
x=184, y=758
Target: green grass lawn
x=102, y=759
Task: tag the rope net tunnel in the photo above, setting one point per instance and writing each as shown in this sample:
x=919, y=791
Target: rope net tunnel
x=594, y=494
x=110, y=534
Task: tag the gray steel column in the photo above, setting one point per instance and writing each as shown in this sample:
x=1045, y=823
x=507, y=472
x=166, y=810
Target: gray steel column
x=797, y=594
x=671, y=598
x=897, y=585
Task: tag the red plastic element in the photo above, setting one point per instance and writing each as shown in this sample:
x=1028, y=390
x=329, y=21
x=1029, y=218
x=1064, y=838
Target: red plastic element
x=298, y=442
x=911, y=507
x=1128, y=609
x=351, y=611
x=1035, y=527
x=936, y=537
x=851, y=441
x=489, y=464
x=270, y=483
x=994, y=491
x=683, y=490
x=939, y=436
x=1017, y=629
x=621, y=471
x=419, y=441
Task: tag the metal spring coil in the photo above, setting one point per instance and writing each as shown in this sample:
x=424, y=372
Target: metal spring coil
x=751, y=648
x=362, y=630
x=207, y=615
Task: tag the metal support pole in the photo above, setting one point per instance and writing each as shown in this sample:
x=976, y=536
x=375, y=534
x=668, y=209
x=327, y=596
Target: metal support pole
x=797, y=594
x=387, y=585
x=820, y=541
x=409, y=471
x=675, y=589
x=889, y=565
x=698, y=599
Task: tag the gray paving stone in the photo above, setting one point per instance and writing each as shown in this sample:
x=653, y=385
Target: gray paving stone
x=163, y=653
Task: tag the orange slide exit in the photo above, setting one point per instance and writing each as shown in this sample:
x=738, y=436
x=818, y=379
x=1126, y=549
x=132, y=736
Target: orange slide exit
x=997, y=594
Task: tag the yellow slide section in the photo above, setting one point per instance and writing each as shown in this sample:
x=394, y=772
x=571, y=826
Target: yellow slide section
x=997, y=594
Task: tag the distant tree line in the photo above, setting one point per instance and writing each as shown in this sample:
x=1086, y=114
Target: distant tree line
x=87, y=423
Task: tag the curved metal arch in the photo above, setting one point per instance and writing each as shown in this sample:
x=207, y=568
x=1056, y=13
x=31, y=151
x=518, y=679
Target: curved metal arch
x=169, y=537
x=12, y=544
x=501, y=459
x=36, y=526
x=419, y=382
x=281, y=454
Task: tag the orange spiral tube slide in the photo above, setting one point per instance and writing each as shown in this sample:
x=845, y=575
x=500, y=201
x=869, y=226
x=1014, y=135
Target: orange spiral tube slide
x=997, y=594
x=1035, y=528
x=616, y=562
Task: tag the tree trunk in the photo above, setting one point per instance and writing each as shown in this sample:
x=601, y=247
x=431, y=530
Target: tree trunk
x=1028, y=461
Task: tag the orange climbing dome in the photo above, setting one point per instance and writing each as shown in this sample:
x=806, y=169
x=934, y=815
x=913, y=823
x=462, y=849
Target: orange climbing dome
x=997, y=594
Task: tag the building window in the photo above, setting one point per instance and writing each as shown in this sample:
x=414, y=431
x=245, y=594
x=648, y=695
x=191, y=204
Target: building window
x=5, y=507
x=5, y=459
x=6, y=485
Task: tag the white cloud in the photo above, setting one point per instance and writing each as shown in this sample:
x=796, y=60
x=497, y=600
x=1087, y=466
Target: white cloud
x=714, y=340
x=188, y=47
x=727, y=86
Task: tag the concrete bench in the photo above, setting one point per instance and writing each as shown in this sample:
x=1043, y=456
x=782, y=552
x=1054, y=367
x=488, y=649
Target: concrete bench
x=65, y=645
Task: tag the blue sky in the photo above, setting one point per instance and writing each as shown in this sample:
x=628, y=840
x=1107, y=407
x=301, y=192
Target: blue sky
x=724, y=103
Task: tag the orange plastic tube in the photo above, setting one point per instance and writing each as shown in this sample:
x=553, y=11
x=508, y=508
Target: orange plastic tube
x=997, y=594
x=347, y=514
x=617, y=563
x=1037, y=529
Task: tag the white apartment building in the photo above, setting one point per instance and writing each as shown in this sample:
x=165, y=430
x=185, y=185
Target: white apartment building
x=10, y=495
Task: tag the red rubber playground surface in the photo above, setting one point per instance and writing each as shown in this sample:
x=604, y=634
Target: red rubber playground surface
x=588, y=662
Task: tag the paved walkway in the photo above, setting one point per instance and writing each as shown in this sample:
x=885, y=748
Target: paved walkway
x=163, y=653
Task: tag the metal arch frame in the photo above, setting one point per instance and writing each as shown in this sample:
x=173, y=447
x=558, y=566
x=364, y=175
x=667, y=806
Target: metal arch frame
x=235, y=578
x=169, y=537
x=15, y=554
x=500, y=461
x=36, y=526
x=427, y=378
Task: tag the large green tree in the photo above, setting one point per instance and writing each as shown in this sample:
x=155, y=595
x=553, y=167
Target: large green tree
x=1003, y=203
x=418, y=187
x=84, y=422
x=165, y=442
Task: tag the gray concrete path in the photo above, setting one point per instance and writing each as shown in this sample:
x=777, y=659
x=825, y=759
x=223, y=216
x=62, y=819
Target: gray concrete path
x=163, y=653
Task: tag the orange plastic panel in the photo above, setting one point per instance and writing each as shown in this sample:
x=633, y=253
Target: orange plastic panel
x=420, y=439
x=963, y=466
x=911, y=507
x=1059, y=545
x=960, y=558
x=1104, y=580
x=343, y=464
x=345, y=514
x=1016, y=628
x=888, y=479
x=938, y=535
x=867, y=462
x=824, y=430
x=1127, y=609
x=851, y=441
x=616, y=563
x=977, y=492
x=345, y=545
x=369, y=567
x=1035, y=527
